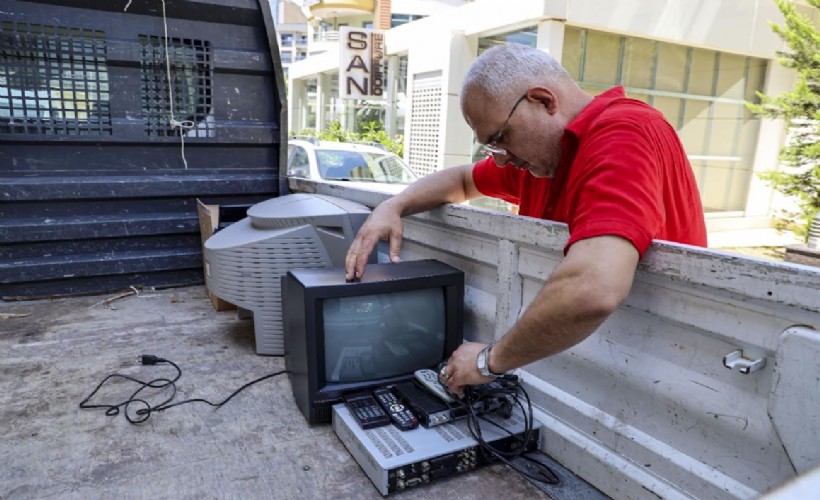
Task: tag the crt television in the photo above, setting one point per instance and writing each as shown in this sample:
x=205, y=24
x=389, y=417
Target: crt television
x=343, y=337
x=245, y=261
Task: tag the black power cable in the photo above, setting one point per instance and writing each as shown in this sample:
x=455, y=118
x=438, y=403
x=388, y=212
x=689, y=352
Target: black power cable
x=508, y=390
x=142, y=414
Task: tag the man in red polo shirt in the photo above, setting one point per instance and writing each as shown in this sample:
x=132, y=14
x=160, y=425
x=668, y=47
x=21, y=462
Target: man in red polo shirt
x=612, y=168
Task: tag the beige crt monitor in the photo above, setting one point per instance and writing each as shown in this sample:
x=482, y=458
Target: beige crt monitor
x=245, y=261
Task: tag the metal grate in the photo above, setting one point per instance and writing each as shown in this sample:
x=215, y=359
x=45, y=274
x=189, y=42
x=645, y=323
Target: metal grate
x=425, y=124
x=191, y=74
x=53, y=80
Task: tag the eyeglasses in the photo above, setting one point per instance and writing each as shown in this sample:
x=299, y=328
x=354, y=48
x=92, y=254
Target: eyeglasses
x=490, y=148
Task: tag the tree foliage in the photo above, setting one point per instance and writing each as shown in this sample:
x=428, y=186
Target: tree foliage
x=800, y=176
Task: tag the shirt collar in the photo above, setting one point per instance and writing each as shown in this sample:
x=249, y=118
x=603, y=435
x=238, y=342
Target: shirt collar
x=581, y=122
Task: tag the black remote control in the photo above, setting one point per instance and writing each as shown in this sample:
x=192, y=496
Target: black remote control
x=401, y=415
x=366, y=410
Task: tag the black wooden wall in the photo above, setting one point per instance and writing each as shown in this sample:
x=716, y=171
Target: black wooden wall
x=94, y=193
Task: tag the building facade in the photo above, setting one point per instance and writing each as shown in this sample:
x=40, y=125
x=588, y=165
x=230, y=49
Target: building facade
x=698, y=63
x=292, y=30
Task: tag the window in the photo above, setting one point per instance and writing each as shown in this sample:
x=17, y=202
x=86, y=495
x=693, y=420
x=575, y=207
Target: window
x=526, y=36
x=298, y=164
x=337, y=164
x=400, y=19
x=188, y=100
x=53, y=80
x=701, y=92
x=287, y=40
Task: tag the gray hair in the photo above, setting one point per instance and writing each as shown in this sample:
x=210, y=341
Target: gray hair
x=510, y=68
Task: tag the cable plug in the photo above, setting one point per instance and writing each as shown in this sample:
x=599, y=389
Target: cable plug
x=150, y=359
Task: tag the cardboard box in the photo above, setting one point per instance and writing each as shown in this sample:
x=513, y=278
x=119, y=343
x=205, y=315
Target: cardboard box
x=208, y=222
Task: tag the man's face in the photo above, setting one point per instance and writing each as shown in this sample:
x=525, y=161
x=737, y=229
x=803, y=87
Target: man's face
x=518, y=132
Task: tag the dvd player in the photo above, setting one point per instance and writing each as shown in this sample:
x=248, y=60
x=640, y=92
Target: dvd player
x=396, y=461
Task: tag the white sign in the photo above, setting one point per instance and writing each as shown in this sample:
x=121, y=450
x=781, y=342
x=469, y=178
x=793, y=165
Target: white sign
x=361, y=52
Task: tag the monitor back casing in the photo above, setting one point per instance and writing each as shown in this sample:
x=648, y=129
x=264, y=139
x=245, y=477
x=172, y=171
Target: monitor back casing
x=303, y=293
x=245, y=261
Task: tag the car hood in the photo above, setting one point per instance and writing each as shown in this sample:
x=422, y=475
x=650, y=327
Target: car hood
x=381, y=187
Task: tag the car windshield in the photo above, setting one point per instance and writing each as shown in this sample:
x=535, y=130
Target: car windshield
x=363, y=167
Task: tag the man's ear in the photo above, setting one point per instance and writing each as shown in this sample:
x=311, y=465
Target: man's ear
x=546, y=97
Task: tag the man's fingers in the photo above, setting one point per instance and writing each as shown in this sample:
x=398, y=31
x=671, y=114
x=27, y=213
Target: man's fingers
x=395, y=246
x=356, y=259
x=382, y=224
x=454, y=387
x=350, y=259
x=361, y=262
x=353, y=265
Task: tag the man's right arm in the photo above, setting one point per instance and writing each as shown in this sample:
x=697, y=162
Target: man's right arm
x=451, y=185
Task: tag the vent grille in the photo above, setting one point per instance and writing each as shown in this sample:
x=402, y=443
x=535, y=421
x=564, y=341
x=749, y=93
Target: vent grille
x=53, y=80
x=191, y=86
x=425, y=124
x=284, y=223
x=251, y=274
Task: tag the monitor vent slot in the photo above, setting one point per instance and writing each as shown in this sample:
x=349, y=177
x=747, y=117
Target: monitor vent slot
x=252, y=273
x=276, y=223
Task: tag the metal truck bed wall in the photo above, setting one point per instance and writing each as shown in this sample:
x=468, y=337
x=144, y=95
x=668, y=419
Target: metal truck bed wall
x=94, y=194
x=645, y=406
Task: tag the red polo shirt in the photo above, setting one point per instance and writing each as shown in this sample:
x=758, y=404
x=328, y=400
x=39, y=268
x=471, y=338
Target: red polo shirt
x=623, y=172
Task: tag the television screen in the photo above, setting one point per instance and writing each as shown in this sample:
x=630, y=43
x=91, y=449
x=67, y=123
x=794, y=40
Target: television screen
x=382, y=335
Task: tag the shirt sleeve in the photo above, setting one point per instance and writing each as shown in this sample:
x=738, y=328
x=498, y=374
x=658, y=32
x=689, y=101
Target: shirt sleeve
x=498, y=182
x=621, y=191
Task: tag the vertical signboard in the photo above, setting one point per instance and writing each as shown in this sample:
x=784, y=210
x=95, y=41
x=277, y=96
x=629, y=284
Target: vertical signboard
x=361, y=72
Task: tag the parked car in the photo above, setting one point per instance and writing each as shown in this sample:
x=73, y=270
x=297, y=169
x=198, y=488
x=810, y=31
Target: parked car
x=369, y=165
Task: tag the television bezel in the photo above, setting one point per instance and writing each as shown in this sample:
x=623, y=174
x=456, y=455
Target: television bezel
x=319, y=285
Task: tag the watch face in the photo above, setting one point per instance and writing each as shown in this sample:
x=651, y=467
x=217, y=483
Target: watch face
x=481, y=361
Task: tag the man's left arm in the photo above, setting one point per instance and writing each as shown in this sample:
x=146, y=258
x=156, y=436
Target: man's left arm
x=584, y=289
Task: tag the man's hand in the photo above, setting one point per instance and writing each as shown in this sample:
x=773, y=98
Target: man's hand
x=384, y=223
x=451, y=185
x=462, y=368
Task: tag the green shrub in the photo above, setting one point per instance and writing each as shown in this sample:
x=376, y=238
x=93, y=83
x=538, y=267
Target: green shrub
x=372, y=132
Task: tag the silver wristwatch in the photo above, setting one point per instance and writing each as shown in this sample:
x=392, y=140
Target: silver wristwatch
x=483, y=363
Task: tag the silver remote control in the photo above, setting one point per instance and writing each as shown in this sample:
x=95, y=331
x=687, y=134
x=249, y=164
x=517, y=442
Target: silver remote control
x=429, y=379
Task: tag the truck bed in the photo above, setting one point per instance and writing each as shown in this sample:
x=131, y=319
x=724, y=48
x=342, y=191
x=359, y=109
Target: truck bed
x=258, y=445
